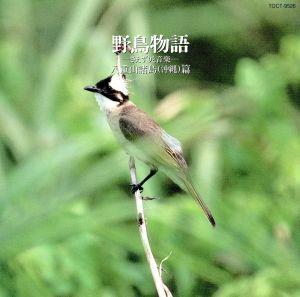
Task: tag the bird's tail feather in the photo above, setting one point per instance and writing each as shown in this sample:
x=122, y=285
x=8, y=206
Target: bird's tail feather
x=184, y=181
x=191, y=189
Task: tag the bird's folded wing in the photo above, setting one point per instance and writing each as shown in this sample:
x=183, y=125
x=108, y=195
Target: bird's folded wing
x=163, y=148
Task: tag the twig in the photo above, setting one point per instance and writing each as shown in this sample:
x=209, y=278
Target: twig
x=168, y=292
x=161, y=263
x=119, y=68
x=161, y=288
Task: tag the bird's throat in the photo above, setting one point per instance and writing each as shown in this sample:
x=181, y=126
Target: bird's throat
x=107, y=105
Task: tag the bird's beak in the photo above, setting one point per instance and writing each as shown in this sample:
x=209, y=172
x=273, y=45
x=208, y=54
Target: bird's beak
x=92, y=89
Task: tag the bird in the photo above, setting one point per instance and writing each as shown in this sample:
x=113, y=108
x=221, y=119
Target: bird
x=143, y=138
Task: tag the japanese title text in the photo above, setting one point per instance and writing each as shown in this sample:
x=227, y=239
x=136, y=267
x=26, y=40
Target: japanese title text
x=154, y=44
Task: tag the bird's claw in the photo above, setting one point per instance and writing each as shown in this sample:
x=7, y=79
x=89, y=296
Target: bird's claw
x=135, y=187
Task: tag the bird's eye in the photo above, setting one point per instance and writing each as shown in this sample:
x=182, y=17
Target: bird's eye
x=123, y=76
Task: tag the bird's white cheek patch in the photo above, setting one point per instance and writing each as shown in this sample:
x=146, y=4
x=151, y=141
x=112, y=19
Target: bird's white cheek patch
x=119, y=84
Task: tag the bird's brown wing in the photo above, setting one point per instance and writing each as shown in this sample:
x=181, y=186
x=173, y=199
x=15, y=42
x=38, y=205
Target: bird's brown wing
x=142, y=132
x=137, y=127
x=131, y=130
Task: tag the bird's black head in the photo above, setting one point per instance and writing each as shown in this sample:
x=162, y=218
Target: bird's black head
x=113, y=87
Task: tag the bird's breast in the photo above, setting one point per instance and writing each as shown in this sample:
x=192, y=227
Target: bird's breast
x=113, y=121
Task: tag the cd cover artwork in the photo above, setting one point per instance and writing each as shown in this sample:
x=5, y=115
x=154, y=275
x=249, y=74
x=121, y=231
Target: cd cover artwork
x=149, y=148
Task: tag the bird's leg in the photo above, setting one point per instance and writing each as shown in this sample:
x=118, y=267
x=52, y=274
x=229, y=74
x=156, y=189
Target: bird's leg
x=138, y=186
x=152, y=172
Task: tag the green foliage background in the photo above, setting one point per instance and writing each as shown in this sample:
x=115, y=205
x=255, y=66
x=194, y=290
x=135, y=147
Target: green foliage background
x=67, y=220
